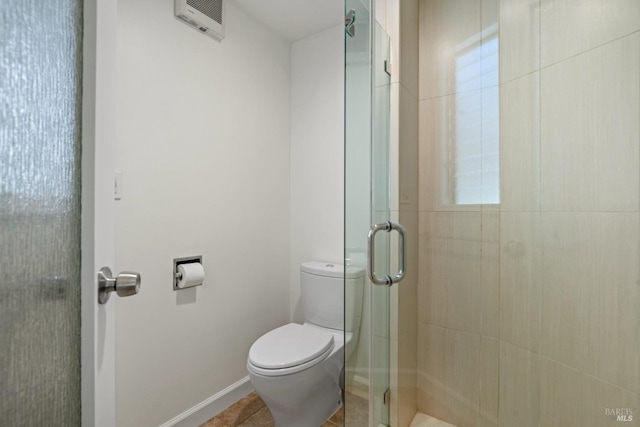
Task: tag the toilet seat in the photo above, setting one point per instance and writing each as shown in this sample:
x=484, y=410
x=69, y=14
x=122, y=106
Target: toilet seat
x=288, y=349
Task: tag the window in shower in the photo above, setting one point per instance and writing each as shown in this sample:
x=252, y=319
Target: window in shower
x=475, y=127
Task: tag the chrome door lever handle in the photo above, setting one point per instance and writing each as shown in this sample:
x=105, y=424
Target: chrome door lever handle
x=386, y=280
x=127, y=283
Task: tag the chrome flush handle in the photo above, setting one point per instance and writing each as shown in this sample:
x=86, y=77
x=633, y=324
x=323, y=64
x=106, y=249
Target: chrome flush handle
x=350, y=22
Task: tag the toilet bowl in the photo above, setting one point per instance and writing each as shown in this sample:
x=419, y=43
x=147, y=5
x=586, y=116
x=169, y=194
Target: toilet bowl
x=297, y=369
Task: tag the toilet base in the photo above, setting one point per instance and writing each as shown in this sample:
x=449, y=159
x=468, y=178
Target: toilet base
x=304, y=399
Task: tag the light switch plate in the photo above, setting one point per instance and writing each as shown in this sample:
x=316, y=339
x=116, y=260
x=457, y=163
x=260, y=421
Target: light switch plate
x=117, y=185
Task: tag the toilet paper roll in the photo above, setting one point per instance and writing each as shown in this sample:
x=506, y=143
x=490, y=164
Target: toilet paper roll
x=192, y=274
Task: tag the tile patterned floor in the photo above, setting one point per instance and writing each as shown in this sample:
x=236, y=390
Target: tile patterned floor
x=250, y=411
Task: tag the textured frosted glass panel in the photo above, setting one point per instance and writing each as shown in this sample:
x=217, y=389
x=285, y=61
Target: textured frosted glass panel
x=40, y=72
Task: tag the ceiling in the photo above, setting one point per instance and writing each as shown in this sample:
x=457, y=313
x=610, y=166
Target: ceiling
x=295, y=19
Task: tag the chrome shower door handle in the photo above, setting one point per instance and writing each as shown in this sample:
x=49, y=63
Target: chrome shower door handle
x=371, y=246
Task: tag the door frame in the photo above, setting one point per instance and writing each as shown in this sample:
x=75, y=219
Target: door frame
x=98, y=216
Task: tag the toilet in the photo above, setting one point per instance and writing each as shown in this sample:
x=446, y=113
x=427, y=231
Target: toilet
x=298, y=369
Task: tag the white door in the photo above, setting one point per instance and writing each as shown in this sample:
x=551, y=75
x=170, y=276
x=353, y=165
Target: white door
x=98, y=217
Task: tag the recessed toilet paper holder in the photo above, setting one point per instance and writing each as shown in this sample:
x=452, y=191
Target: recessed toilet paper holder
x=177, y=275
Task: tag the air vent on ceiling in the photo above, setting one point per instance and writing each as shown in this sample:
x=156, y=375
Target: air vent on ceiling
x=211, y=8
x=207, y=16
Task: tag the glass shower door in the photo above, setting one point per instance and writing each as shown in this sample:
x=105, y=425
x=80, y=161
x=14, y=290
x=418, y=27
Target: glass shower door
x=40, y=212
x=529, y=308
x=380, y=213
x=367, y=112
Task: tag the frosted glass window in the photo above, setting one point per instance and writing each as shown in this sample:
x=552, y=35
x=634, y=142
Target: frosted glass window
x=40, y=70
x=476, y=145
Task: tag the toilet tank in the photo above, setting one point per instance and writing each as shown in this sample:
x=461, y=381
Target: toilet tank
x=324, y=288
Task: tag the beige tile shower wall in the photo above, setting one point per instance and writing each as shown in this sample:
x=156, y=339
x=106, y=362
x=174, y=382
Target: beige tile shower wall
x=535, y=298
x=459, y=253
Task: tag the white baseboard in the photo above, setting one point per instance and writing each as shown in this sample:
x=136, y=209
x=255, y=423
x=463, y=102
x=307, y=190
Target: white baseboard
x=357, y=379
x=212, y=406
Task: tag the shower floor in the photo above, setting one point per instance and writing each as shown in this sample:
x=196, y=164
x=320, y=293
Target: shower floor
x=423, y=420
x=251, y=411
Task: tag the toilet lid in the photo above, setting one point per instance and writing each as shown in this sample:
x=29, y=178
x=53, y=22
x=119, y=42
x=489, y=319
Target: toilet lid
x=289, y=345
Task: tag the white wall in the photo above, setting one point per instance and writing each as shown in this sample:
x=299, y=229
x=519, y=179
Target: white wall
x=203, y=144
x=317, y=153
x=317, y=171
